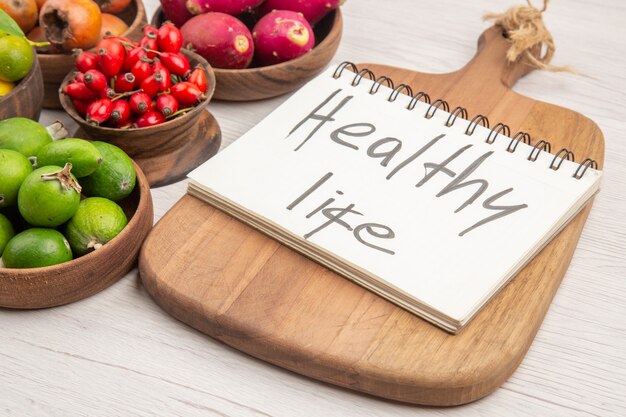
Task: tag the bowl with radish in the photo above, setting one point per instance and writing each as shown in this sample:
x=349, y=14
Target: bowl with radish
x=78, y=24
x=258, y=48
x=149, y=99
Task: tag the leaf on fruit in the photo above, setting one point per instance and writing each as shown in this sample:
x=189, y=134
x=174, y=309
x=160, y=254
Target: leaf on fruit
x=8, y=25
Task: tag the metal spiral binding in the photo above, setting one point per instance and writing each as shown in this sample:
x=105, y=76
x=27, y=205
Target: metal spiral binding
x=461, y=112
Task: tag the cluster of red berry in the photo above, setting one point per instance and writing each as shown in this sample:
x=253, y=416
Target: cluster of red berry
x=128, y=84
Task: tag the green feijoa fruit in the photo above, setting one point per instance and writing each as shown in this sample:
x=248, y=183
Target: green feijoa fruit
x=23, y=135
x=14, y=168
x=49, y=196
x=36, y=247
x=16, y=56
x=6, y=232
x=84, y=157
x=115, y=178
x=95, y=223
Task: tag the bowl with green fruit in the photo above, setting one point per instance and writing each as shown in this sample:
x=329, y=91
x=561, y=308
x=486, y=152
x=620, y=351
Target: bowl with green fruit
x=21, y=81
x=73, y=215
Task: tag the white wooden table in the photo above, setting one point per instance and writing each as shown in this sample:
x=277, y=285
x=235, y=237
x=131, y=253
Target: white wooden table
x=117, y=353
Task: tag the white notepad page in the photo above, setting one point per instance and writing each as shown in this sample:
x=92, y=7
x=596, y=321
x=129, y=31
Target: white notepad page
x=417, y=227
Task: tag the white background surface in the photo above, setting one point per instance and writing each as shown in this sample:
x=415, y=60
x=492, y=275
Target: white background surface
x=117, y=353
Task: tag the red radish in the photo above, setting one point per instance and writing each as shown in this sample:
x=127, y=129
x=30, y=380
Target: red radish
x=120, y=112
x=221, y=39
x=79, y=91
x=221, y=6
x=198, y=77
x=124, y=82
x=81, y=106
x=176, y=11
x=169, y=38
x=140, y=103
x=167, y=104
x=151, y=118
x=281, y=36
x=95, y=80
x=86, y=61
x=313, y=10
x=187, y=94
x=99, y=111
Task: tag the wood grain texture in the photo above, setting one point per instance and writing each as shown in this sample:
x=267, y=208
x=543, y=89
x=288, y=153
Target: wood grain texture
x=118, y=353
x=56, y=66
x=258, y=83
x=82, y=277
x=263, y=299
x=26, y=99
x=201, y=141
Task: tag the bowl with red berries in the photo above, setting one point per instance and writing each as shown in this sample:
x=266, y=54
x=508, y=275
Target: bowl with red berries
x=146, y=97
x=258, y=48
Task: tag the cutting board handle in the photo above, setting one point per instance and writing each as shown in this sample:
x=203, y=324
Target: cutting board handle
x=490, y=61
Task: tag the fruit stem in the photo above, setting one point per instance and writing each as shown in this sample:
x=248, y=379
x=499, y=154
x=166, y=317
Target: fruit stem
x=64, y=176
x=37, y=44
x=57, y=130
x=179, y=112
x=126, y=94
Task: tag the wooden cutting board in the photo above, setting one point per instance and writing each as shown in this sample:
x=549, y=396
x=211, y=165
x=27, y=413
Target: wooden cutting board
x=256, y=295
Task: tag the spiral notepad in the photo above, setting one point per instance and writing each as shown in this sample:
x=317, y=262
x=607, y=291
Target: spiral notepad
x=431, y=209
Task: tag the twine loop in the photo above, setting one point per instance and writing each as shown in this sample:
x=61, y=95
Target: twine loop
x=526, y=30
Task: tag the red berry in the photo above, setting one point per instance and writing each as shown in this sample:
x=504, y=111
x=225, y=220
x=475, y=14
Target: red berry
x=187, y=94
x=198, y=77
x=150, y=46
x=81, y=106
x=79, y=91
x=169, y=38
x=79, y=77
x=86, y=61
x=120, y=112
x=99, y=111
x=177, y=64
x=167, y=104
x=150, y=118
x=123, y=83
x=141, y=70
x=111, y=55
x=107, y=92
x=150, y=85
x=132, y=57
x=95, y=80
x=150, y=30
x=140, y=103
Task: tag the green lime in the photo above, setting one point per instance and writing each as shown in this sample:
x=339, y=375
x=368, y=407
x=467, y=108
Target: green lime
x=84, y=157
x=16, y=57
x=23, y=135
x=115, y=179
x=49, y=196
x=36, y=247
x=6, y=232
x=14, y=168
x=96, y=222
